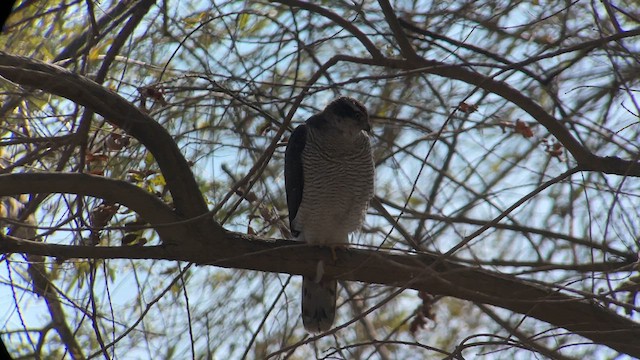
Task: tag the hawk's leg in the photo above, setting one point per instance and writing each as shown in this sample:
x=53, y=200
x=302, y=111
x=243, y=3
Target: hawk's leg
x=333, y=248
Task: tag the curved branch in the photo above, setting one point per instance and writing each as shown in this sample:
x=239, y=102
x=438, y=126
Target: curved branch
x=585, y=159
x=186, y=195
x=507, y=92
x=148, y=206
x=426, y=272
x=339, y=20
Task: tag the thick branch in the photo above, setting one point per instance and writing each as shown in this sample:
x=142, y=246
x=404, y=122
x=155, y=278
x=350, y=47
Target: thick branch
x=613, y=165
x=148, y=206
x=184, y=189
x=405, y=46
x=507, y=92
x=425, y=272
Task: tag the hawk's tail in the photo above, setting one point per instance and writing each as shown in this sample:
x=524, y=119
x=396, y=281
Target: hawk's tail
x=318, y=304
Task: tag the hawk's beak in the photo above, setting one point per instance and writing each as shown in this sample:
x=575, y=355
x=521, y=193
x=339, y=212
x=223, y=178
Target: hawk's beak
x=367, y=127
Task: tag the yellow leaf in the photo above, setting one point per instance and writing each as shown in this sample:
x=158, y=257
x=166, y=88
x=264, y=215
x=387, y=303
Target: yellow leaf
x=243, y=20
x=148, y=159
x=158, y=180
x=259, y=25
x=195, y=19
x=94, y=53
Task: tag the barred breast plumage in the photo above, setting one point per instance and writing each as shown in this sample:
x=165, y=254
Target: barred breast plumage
x=338, y=181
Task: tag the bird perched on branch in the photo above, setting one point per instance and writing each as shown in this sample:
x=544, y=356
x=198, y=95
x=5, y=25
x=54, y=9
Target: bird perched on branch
x=329, y=176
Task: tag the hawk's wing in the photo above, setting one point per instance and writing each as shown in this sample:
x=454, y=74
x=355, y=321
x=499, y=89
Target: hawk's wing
x=293, y=175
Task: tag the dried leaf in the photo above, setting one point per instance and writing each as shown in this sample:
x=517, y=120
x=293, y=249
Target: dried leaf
x=90, y=157
x=129, y=239
x=101, y=214
x=154, y=93
x=423, y=313
x=116, y=141
x=523, y=129
x=466, y=108
x=555, y=150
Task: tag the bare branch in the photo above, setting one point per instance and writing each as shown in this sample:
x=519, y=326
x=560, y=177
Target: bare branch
x=42, y=286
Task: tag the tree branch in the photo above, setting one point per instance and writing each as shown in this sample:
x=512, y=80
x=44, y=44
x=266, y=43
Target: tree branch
x=585, y=159
x=405, y=46
x=41, y=286
x=184, y=189
x=147, y=205
x=504, y=90
x=339, y=20
x=426, y=272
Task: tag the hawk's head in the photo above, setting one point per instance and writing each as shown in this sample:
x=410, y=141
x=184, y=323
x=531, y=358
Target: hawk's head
x=348, y=115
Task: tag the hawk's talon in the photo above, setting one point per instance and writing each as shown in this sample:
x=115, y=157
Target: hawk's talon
x=333, y=248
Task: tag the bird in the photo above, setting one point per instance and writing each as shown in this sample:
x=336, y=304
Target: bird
x=329, y=181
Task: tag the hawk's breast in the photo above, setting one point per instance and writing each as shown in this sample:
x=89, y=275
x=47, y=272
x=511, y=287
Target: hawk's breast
x=338, y=184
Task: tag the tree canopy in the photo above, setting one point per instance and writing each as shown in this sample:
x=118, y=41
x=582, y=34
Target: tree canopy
x=142, y=193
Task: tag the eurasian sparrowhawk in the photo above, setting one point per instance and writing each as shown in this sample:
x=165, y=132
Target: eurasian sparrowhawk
x=329, y=176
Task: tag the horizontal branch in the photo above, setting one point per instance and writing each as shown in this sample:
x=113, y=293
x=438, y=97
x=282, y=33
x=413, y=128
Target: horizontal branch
x=613, y=165
x=147, y=205
x=56, y=80
x=426, y=272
